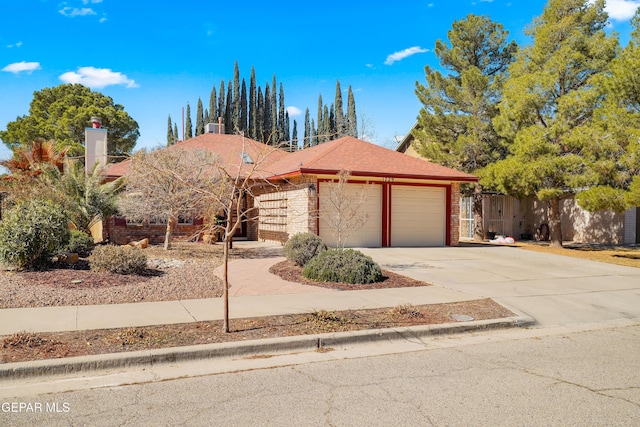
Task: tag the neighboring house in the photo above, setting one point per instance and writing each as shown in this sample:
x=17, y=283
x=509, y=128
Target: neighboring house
x=410, y=202
x=520, y=218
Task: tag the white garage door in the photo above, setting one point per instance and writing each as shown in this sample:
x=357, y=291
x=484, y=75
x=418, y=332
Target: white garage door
x=358, y=201
x=418, y=216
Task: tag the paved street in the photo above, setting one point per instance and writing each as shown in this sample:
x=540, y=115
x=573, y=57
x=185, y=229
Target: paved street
x=504, y=378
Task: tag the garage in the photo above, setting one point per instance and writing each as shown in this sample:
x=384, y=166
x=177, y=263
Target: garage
x=355, y=199
x=418, y=216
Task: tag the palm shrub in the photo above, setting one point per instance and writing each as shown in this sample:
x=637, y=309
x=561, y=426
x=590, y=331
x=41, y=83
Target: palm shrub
x=301, y=247
x=80, y=243
x=32, y=232
x=343, y=265
x=118, y=259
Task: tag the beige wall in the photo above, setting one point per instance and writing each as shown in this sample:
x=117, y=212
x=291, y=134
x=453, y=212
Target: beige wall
x=578, y=225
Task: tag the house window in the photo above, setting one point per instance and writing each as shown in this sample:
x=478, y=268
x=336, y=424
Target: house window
x=133, y=222
x=185, y=219
x=157, y=220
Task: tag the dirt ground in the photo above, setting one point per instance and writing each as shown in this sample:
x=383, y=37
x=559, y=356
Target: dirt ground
x=25, y=346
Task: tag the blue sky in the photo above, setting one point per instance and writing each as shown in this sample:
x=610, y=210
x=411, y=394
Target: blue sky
x=154, y=57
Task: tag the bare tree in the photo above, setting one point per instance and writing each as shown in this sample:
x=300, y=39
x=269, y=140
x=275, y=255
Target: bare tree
x=344, y=213
x=166, y=184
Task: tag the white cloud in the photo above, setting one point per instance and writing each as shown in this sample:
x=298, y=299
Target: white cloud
x=97, y=78
x=19, y=67
x=14, y=45
x=621, y=10
x=72, y=12
x=398, y=56
x=294, y=111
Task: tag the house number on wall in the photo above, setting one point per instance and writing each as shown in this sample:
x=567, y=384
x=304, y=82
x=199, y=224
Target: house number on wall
x=388, y=179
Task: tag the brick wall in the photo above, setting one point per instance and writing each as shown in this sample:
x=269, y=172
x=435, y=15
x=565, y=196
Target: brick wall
x=120, y=233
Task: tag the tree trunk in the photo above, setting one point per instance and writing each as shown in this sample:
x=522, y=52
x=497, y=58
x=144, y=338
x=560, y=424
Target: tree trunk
x=478, y=229
x=167, y=234
x=225, y=285
x=555, y=222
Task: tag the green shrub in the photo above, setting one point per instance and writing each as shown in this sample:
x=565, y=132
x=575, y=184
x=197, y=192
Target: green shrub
x=118, y=259
x=301, y=247
x=32, y=232
x=343, y=265
x=80, y=243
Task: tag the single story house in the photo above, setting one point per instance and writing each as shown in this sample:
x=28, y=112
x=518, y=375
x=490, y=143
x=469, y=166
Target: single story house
x=508, y=216
x=409, y=201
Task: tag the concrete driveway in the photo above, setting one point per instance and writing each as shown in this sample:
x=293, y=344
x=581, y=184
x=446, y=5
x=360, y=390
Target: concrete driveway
x=553, y=289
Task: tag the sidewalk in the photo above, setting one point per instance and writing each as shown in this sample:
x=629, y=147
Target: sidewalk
x=254, y=292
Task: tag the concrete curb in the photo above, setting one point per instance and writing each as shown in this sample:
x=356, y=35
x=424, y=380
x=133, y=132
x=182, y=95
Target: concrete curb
x=149, y=358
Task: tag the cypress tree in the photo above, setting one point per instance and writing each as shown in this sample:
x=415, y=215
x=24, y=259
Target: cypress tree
x=266, y=115
x=275, y=136
x=235, y=112
x=253, y=105
x=333, y=127
x=213, y=107
x=286, y=136
x=243, y=106
x=306, y=140
x=313, y=135
x=352, y=122
x=339, y=113
x=282, y=122
x=176, y=136
x=207, y=117
x=188, y=126
x=326, y=125
x=318, y=130
x=294, y=140
x=221, y=109
x=199, y=118
x=170, y=138
x=260, y=117
x=228, y=111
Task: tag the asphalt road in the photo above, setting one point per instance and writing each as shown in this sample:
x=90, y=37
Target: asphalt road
x=539, y=377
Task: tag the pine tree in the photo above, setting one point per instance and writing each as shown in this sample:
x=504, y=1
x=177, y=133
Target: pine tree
x=170, y=138
x=352, y=122
x=548, y=103
x=339, y=113
x=188, y=126
x=253, y=106
x=199, y=118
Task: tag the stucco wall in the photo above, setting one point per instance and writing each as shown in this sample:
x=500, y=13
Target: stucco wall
x=578, y=225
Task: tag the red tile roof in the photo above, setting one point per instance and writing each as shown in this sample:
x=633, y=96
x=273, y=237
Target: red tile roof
x=364, y=159
x=228, y=147
x=360, y=157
